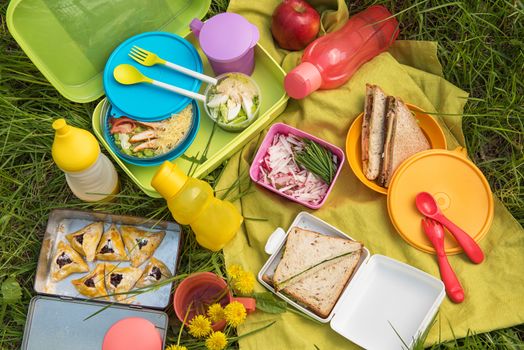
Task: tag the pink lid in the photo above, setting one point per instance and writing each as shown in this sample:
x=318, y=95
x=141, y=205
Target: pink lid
x=226, y=36
x=302, y=80
x=133, y=333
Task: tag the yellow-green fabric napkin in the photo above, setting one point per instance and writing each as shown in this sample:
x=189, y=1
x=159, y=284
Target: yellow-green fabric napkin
x=494, y=290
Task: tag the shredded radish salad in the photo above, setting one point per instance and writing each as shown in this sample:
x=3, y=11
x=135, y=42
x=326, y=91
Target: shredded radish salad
x=280, y=170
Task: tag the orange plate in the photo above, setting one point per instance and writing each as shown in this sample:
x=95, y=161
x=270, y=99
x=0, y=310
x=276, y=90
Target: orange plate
x=459, y=187
x=427, y=123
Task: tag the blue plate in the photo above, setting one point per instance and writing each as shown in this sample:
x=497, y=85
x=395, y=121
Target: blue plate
x=176, y=152
x=145, y=102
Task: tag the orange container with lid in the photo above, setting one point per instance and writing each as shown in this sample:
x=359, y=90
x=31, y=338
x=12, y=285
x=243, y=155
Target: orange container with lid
x=459, y=187
x=461, y=190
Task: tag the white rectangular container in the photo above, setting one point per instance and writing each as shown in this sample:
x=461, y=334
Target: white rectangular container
x=386, y=304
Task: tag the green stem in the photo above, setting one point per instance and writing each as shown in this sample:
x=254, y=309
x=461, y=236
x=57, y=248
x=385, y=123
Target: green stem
x=283, y=284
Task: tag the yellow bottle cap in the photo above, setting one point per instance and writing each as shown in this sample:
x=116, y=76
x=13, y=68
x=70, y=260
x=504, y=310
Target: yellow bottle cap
x=168, y=180
x=73, y=149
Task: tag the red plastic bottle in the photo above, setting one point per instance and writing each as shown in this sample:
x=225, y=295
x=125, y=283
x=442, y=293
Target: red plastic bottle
x=331, y=60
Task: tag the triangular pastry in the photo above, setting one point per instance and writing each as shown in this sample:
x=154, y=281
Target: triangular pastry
x=140, y=244
x=154, y=272
x=121, y=280
x=92, y=285
x=111, y=246
x=65, y=262
x=85, y=240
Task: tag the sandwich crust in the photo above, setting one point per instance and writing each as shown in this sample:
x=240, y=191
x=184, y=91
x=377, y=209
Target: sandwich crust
x=373, y=131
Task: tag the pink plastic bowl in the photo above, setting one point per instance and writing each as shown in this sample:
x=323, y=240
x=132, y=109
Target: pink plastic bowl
x=281, y=128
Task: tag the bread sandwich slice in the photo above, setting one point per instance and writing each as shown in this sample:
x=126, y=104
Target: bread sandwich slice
x=315, y=268
x=404, y=138
x=373, y=130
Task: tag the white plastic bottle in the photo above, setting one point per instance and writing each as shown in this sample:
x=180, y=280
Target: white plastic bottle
x=89, y=173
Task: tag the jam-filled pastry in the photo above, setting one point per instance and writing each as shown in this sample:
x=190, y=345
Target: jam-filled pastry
x=65, y=262
x=140, y=244
x=92, y=285
x=86, y=239
x=111, y=246
x=121, y=280
x=154, y=272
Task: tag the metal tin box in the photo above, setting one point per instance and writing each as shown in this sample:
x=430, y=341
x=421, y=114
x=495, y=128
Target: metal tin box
x=61, y=318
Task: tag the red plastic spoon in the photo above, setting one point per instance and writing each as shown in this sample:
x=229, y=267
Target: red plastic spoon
x=427, y=205
x=435, y=233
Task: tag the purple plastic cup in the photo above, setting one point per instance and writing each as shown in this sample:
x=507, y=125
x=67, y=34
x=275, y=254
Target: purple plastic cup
x=229, y=41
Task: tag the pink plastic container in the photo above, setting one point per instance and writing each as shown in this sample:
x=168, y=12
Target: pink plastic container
x=281, y=128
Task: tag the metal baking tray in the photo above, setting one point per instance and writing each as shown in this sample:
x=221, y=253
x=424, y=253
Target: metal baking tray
x=62, y=222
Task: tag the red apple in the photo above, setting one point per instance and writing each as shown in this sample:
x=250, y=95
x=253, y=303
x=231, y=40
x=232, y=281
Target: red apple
x=295, y=24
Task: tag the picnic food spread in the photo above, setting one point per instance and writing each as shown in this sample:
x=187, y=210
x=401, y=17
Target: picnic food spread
x=151, y=117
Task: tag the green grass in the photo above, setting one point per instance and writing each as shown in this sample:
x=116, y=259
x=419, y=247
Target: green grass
x=481, y=49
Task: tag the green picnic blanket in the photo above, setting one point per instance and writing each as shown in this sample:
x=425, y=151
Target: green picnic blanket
x=494, y=290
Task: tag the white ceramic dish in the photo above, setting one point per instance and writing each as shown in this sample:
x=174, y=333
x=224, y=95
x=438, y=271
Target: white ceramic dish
x=386, y=304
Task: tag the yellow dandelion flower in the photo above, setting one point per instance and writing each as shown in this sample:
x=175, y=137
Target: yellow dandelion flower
x=216, y=313
x=199, y=326
x=216, y=341
x=176, y=347
x=244, y=283
x=235, y=313
x=234, y=270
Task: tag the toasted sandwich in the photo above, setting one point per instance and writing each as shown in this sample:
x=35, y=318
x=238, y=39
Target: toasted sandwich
x=373, y=130
x=404, y=138
x=315, y=268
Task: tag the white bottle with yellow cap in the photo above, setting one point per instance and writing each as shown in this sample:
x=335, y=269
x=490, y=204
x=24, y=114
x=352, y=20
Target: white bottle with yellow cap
x=89, y=173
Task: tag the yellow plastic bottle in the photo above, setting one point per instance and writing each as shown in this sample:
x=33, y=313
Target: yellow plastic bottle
x=89, y=173
x=192, y=202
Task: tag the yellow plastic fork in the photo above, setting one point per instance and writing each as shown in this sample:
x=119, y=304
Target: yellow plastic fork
x=147, y=58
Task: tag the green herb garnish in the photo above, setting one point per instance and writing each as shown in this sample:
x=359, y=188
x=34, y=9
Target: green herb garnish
x=317, y=160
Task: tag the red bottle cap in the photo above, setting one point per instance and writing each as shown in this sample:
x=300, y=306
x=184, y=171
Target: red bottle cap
x=302, y=80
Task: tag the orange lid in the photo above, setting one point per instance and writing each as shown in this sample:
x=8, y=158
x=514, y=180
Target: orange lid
x=459, y=187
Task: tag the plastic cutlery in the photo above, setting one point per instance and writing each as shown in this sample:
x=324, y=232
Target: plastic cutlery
x=147, y=58
x=435, y=233
x=427, y=205
x=127, y=74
